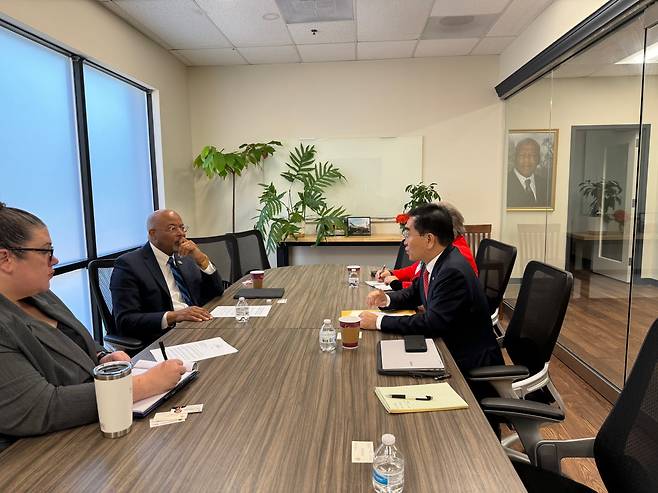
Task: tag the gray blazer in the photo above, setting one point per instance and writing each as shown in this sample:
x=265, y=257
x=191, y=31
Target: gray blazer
x=46, y=380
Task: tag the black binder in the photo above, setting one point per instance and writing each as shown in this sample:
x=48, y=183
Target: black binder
x=255, y=293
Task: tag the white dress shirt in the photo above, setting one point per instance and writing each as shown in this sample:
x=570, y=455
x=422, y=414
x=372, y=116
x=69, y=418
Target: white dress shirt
x=522, y=179
x=176, y=297
x=430, y=267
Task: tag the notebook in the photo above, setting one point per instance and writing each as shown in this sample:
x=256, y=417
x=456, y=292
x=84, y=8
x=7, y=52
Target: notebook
x=143, y=408
x=257, y=293
x=444, y=398
x=390, y=313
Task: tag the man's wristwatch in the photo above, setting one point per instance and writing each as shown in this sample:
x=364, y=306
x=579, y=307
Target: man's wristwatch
x=102, y=354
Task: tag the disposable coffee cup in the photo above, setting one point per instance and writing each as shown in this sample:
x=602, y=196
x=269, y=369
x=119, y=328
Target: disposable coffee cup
x=114, y=397
x=257, y=277
x=350, y=328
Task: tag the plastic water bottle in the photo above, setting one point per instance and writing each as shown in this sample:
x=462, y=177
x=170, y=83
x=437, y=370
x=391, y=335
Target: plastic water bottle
x=327, y=337
x=242, y=310
x=353, y=279
x=388, y=467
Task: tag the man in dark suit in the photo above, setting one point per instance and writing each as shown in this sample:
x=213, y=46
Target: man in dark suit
x=163, y=282
x=524, y=187
x=455, y=306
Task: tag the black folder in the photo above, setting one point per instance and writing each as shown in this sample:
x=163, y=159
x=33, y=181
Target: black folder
x=255, y=293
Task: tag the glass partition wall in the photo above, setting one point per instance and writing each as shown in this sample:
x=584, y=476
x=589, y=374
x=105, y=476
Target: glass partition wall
x=581, y=193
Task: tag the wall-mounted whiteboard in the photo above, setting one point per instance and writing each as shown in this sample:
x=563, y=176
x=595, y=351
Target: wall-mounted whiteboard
x=377, y=171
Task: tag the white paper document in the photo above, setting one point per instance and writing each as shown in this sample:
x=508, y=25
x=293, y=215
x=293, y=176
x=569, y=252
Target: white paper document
x=142, y=366
x=196, y=351
x=394, y=357
x=362, y=452
x=229, y=311
x=378, y=285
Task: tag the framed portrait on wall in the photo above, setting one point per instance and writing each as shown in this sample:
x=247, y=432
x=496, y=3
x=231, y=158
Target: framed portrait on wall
x=531, y=164
x=358, y=226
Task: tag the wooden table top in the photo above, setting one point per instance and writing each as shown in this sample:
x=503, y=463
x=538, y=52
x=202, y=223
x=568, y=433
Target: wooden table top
x=394, y=239
x=279, y=415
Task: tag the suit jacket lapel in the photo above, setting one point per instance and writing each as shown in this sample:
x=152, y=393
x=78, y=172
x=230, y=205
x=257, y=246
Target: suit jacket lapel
x=56, y=341
x=154, y=268
x=435, y=270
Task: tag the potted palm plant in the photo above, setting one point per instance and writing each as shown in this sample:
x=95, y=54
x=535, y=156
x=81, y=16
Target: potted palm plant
x=603, y=196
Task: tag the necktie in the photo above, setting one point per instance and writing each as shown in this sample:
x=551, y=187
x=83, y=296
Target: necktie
x=426, y=282
x=529, y=191
x=180, y=282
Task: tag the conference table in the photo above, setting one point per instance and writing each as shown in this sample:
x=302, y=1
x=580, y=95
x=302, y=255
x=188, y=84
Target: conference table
x=278, y=415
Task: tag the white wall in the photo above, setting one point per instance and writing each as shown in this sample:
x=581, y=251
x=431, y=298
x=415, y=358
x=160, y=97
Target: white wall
x=555, y=21
x=449, y=101
x=85, y=26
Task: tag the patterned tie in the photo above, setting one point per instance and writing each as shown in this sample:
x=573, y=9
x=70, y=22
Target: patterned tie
x=180, y=282
x=528, y=190
x=426, y=282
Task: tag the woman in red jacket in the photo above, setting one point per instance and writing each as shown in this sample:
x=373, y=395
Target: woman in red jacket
x=402, y=278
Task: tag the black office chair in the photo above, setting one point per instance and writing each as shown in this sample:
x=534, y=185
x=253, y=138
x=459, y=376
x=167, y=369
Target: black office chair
x=402, y=259
x=223, y=251
x=251, y=254
x=530, y=338
x=625, y=448
x=495, y=262
x=100, y=272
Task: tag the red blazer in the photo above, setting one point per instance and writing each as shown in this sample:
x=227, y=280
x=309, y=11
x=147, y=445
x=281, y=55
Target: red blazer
x=408, y=274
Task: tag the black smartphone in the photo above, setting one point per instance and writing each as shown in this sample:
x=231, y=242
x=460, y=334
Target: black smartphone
x=415, y=344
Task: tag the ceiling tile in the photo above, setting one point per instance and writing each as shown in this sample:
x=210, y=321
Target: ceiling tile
x=469, y=26
x=391, y=20
x=327, y=32
x=517, y=16
x=379, y=50
x=179, y=23
x=445, y=47
x=270, y=54
x=492, y=46
x=327, y=52
x=243, y=24
x=210, y=56
x=444, y=8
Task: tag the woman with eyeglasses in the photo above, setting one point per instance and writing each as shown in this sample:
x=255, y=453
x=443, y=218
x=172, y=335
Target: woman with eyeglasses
x=46, y=354
x=402, y=278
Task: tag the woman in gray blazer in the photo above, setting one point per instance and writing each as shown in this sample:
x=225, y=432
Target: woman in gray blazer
x=46, y=354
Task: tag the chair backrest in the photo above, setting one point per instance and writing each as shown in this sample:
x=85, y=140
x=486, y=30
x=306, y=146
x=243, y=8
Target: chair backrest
x=100, y=272
x=538, y=315
x=626, y=446
x=495, y=263
x=251, y=252
x=402, y=259
x=223, y=253
x=475, y=233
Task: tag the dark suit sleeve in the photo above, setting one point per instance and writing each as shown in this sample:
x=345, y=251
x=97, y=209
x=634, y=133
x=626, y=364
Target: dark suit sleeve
x=131, y=318
x=448, y=294
x=211, y=286
x=405, y=299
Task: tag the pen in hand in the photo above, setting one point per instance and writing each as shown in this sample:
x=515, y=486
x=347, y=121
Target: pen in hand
x=411, y=397
x=162, y=348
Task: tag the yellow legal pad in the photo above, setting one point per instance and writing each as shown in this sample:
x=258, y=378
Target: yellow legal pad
x=444, y=398
x=394, y=313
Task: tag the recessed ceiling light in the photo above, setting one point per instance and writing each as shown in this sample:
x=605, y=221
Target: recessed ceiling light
x=456, y=20
x=271, y=16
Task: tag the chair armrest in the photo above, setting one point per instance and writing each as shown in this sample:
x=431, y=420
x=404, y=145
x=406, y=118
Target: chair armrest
x=129, y=343
x=537, y=411
x=549, y=453
x=499, y=372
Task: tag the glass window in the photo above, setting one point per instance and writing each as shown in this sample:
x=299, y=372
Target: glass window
x=73, y=289
x=38, y=140
x=117, y=123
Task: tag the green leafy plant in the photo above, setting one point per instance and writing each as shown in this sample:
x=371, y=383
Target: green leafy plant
x=421, y=194
x=605, y=195
x=282, y=213
x=223, y=164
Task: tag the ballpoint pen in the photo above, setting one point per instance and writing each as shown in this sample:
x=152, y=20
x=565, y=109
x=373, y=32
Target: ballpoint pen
x=411, y=397
x=162, y=348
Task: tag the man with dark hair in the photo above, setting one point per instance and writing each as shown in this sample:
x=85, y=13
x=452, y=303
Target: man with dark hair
x=455, y=306
x=524, y=187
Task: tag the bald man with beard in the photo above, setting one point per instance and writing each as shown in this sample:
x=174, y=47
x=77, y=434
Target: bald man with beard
x=164, y=282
